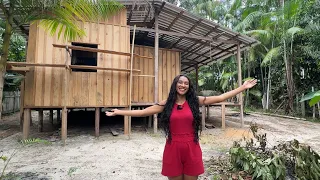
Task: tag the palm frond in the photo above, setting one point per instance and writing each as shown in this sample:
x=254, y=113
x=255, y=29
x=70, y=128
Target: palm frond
x=248, y=21
x=274, y=52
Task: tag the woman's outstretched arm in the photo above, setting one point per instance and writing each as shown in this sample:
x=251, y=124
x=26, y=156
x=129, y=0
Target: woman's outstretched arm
x=155, y=109
x=216, y=99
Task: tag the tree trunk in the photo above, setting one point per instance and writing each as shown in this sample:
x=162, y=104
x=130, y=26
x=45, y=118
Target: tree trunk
x=5, y=51
x=289, y=80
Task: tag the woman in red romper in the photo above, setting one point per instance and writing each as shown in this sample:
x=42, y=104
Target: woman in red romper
x=180, y=119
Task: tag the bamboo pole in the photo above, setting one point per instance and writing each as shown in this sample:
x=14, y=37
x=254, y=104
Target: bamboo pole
x=240, y=83
x=156, y=68
x=131, y=66
x=65, y=92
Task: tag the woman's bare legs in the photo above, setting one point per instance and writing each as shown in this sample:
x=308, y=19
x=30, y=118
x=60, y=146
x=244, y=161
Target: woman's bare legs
x=176, y=178
x=186, y=177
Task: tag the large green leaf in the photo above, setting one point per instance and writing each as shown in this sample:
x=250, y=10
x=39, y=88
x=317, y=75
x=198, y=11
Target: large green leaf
x=314, y=98
x=274, y=52
x=293, y=30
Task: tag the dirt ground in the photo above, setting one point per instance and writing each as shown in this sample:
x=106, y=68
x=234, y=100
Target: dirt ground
x=122, y=157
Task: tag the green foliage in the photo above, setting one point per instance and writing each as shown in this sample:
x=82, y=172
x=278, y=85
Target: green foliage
x=33, y=141
x=314, y=98
x=290, y=159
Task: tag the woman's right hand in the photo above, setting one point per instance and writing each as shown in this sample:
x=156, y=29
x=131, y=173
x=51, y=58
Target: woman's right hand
x=113, y=112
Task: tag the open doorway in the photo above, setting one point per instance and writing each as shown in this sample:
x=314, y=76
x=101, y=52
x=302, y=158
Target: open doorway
x=84, y=58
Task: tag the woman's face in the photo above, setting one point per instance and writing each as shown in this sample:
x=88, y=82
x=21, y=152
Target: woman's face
x=182, y=85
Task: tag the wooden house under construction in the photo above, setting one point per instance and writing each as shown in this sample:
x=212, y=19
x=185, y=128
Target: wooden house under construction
x=95, y=71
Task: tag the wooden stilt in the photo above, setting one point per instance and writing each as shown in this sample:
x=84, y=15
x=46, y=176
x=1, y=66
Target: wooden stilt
x=156, y=68
x=64, y=125
x=51, y=116
x=240, y=83
x=26, y=124
x=203, y=120
x=149, y=121
x=223, y=116
x=97, y=122
x=40, y=122
x=126, y=125
x=30, y=114
x=21, y=104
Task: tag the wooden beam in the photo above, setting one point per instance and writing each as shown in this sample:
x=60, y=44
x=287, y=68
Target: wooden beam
x=152, y=76
x=240, y=83
x=213, y=56
x=26, y=123
x=172, y=23
x=185, y=35
x=70, y=66
x=99, y=50
x=156, y=70
x=126, y=125
x=199, y=40
x=97, y=122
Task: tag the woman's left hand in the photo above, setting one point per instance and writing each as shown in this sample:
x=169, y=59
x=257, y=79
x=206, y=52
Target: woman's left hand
x=249, y=83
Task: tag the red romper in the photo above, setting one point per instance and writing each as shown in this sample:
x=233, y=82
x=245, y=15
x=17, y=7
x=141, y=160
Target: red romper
x=182, y=155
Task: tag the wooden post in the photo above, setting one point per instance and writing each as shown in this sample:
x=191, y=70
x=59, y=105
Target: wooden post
x=223, y=116
x=149, y=121
x=26, y=123
x=40, y=120
x=126, y=125
x=131, y=66
x=203, y=120
x=240, y=83
x=21, y=104
x=65, y=93
x=156, y=68
x=97, y=122
x=197, y=77
x=64, y=125
x=303, y=107
x=51, y=116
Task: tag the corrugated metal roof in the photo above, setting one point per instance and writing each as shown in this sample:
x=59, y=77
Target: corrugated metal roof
x=178, y=20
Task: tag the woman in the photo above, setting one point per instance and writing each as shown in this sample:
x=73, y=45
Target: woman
x=180, y=117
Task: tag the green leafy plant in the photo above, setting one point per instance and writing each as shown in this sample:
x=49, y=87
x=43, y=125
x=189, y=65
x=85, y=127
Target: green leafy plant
x=289, y=159
x=314, y=98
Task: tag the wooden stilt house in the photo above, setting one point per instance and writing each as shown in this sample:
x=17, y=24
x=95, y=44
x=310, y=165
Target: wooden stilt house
x=95, y=71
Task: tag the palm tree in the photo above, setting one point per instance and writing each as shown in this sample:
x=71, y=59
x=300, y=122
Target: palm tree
x=54, y=15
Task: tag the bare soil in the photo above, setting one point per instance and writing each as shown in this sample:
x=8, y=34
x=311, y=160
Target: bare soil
x=122, y=157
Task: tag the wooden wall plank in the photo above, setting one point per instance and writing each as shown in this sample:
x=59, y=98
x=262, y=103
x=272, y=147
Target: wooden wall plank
x=169, y=74
x=108, y=63
x=115, y=63
x=165, y=87
x=123, y=95
x=101, y=62
x=160, y=75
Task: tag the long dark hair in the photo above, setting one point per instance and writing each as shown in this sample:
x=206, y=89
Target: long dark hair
x=193, y=102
